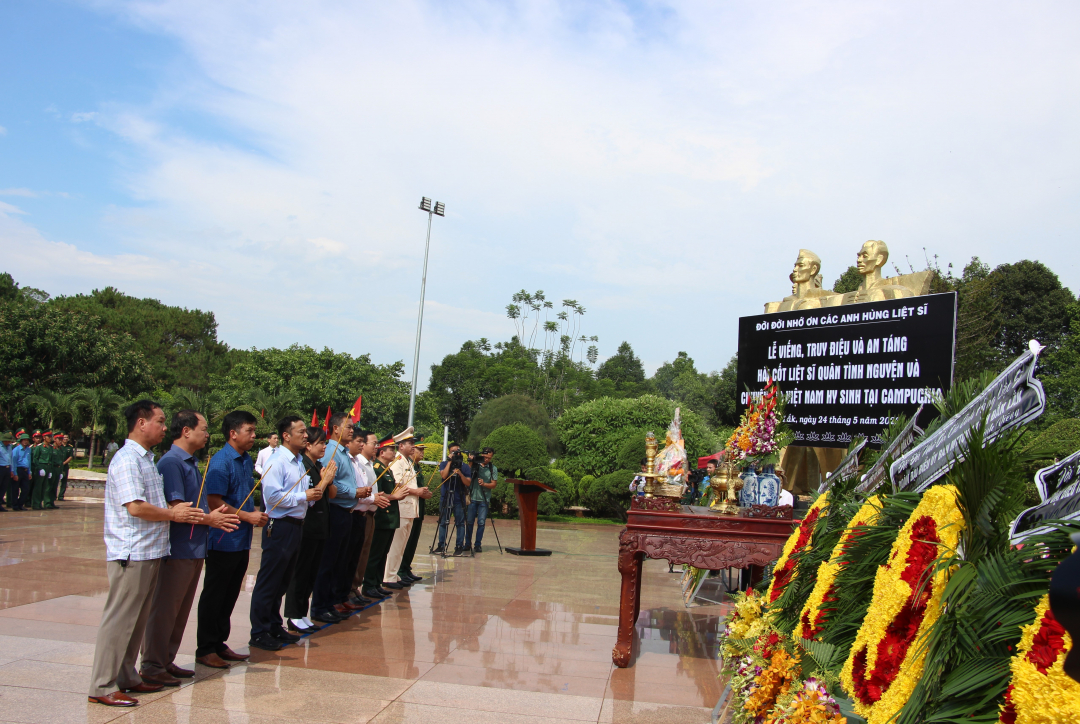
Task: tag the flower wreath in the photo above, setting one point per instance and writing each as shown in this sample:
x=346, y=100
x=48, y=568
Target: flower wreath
x=809, y=705
x=784, y=570
x=1041, y=692
x=772, y=683
x=825, y=588
x=879, y=673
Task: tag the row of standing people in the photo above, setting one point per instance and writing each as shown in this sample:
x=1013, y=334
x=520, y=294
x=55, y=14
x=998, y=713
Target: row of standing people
x=333, y=532
x=34, y=471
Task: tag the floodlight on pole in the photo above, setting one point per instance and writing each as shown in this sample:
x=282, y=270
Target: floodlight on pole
x=439, y=210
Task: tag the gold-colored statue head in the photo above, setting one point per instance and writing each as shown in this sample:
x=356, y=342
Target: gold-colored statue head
x=807, y=267
x=871, y=257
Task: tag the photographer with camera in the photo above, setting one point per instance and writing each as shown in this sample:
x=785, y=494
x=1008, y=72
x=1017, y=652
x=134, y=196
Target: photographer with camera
x=457, y=477
x=485, y=478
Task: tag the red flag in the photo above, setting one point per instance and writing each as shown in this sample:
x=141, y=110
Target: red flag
x=326, y=425
x=354, y=413
x=262, y=414
x=314, y=418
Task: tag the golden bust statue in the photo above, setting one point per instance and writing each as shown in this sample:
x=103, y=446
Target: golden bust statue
x=871, y=257
x=806, y=291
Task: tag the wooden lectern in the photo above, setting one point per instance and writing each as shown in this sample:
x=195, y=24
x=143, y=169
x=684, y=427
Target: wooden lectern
x=528, y=491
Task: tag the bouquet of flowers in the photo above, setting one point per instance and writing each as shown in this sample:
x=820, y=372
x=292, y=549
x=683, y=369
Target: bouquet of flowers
x=761, y=433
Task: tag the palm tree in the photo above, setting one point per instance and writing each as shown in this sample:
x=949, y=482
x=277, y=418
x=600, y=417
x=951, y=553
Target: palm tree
x=54, y=406
x=272, y=407
x=96, y=406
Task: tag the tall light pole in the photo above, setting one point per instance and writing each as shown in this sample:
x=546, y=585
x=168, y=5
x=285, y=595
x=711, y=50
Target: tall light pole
x=439, y=210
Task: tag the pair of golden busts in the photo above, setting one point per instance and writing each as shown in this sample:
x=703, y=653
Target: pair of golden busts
x=807, y=292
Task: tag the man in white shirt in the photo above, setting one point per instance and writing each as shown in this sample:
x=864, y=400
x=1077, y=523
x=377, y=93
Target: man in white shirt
x=365, y=507
x=136, y=540
x=264, y=455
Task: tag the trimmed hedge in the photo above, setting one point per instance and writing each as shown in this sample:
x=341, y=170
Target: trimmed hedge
x=609, y=495
x=592, y=434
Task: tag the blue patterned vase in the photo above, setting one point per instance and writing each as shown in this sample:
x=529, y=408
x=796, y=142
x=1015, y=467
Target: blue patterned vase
x=749, y=493
x=768, y=487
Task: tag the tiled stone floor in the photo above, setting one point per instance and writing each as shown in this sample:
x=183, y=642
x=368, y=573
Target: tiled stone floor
x=494, y=638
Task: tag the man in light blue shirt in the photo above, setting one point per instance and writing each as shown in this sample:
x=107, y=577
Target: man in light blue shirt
x=286, y=497
x=6, y=478
x=326, y=604
x=19, y=495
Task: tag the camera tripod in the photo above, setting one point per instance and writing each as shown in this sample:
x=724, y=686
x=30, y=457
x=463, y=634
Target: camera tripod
x=445, y=509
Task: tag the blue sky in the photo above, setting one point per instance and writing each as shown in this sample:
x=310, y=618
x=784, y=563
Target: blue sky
x=660, y=163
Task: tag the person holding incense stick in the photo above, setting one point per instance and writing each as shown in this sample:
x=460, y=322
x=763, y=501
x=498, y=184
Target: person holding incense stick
x=229, y=481
x=287, y=498
x=179, y=574
x=136, y=541
x=326, y=604
x=316, y=529
x=387, y=519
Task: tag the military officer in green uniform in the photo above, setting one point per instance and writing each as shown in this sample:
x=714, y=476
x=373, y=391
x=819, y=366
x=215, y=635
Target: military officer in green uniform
x=52, y=467
x=67, y=454
x=386, y=519
x=40, y=460
x=57, y=470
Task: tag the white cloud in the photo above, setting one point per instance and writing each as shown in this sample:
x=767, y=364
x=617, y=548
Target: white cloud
x=27, y=193
x=661, y=164
x=3, y=131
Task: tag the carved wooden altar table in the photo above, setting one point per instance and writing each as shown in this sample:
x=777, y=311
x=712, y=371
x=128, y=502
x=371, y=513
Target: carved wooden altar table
x=660, y=528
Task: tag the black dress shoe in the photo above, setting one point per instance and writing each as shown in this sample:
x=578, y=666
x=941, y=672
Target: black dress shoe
x=284, y=636
x=415, y=578
x=266, y=642
x=304, y=630
x=392, y=585
x=327, y=616
x=375, y=593
x=359, y=601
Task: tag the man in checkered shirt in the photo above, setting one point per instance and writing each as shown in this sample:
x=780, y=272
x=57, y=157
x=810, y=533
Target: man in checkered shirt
x=136, y=540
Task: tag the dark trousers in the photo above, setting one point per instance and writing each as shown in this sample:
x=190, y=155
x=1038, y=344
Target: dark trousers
x=280, y=544
x=410, y=547
x=63, y=482
x=6, y=483
x=458, y=507
x=355, y=545
x=335, y=550
x=20, y=490
x=303, y=579
x=380, y=546
x=224, y=577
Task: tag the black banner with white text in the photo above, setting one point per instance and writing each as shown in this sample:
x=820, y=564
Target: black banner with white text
x=850, y=370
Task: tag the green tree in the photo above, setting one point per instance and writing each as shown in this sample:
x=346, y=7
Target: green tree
x=98, y=410
x=317, y=379
x=1061, y=378
x=42, y=347
x=849, y=281
x=609, y=495
x=712, y=396
x=1032, y=304
x=625, y=371
x=517, y=448
x=54, y=408
x=507, y=410
x=180, y=345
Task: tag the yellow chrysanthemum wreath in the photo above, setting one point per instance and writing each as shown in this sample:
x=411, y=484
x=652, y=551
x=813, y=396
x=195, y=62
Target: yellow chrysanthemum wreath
x=799, y=539
x=810, y=618
x=883, y=667
x=1041, y=692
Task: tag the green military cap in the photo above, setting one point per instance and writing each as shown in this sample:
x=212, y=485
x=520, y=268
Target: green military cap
x=24, y=436
x=6, y=437
x=37, y=432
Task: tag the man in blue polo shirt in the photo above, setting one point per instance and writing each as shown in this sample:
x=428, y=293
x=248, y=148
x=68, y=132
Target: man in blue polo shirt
x=229, y=481
x=179, y=574
x=19, y=496
x=327, y=603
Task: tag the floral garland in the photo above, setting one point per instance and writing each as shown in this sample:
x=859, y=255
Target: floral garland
x=810, y=705
x=1041, y=692
x=784, y=570
x=825, y=588
x=761, y=433
x=879, y=672
x=745, y=622
x=772, y=683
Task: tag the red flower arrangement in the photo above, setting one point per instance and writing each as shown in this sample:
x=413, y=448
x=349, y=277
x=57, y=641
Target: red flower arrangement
x=1040, y=691
x=899, y=635
x=785, y=567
